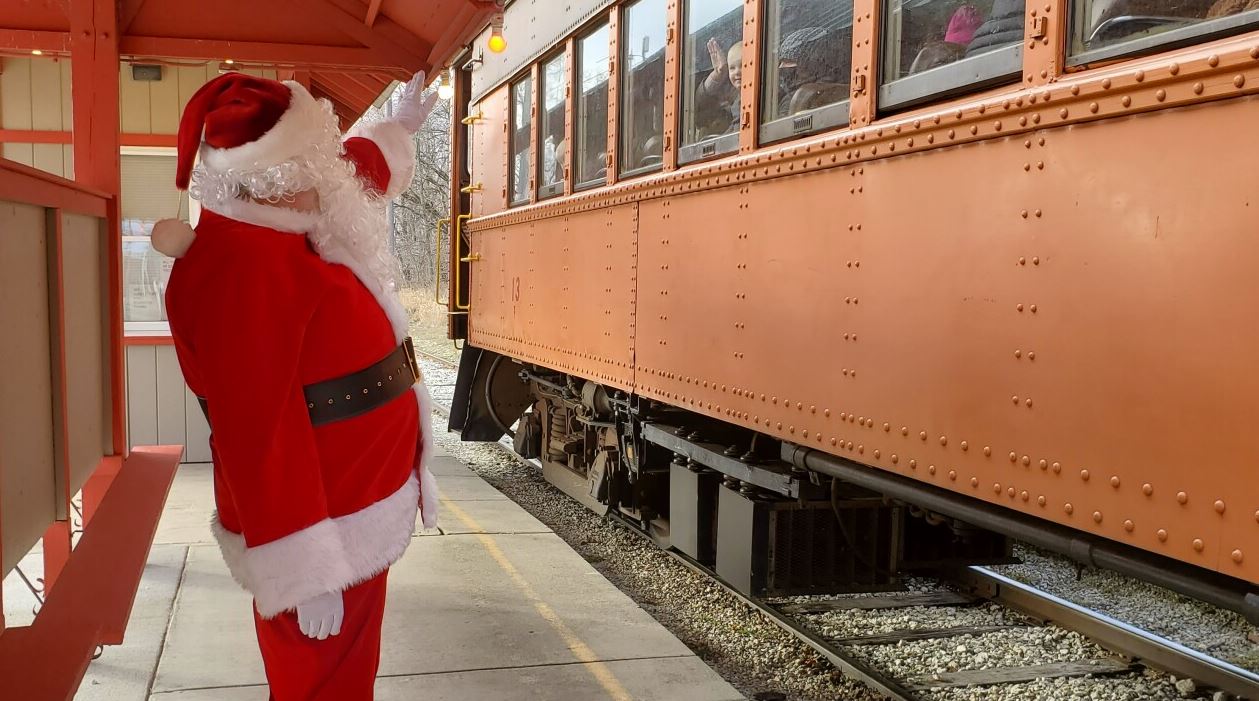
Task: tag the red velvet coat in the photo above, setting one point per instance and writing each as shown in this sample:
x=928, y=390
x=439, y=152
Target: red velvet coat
x=256, y=314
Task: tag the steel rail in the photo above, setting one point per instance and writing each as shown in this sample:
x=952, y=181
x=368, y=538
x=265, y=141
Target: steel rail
x=1151, y=649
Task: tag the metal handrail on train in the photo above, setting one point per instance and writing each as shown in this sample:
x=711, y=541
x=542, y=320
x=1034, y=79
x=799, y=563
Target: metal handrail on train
x=458, y=287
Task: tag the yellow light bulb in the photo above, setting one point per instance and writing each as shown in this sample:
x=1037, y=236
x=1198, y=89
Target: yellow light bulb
x=497, y=43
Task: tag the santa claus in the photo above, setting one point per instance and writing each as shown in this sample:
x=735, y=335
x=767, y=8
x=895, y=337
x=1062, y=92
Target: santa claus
x=285, y=318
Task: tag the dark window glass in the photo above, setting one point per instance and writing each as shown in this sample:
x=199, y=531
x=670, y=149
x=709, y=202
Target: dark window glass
x=592, y=107
x=521, y=136
x=553, y=146
x=933, y=47
x=808, y=64
x=642, y=86
x=711, y=73
x=1104, y=29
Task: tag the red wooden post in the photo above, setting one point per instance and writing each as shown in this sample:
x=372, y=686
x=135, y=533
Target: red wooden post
x=94, y=76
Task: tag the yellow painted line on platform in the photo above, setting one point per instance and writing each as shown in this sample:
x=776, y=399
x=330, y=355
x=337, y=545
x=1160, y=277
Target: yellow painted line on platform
x=579, y=648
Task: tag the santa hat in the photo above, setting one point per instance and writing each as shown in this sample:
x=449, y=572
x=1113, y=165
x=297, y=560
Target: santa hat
x=246, y=123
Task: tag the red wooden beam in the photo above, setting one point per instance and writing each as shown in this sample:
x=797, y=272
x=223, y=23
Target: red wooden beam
x=29, y=40
x=402, y=49
x=36, y=136
x=130, y=9
x=92, y=602
x=97, y=164
x=307, y=55
x=350, y=93
x=373, y=10
x=21, y=183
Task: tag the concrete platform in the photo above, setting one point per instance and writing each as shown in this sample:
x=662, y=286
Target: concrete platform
x=492, y=606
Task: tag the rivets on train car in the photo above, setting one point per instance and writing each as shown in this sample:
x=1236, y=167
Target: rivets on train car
x=987, y=451
x=877, y=453
x=1239, y=80
x=1019, y=306
x=1160, y=95
x=1128, y=525
x=931, y=469
x=952, y=134
x=974, y=482
x=1024, y=495
x=887, y=427
x=1075, y=89
x=1013, y=456
x=1022, y=121
x=909, y=141
x=826, y=412
x=1032, y=308
x=1031, y=355
x=1197, y=88
x=1022, y=260
x=1147, y=489
x=1044, y=464
x=913, y=464
x=834, y=441
x=1237, y=556
x=931, y=138
x=944, y=440
x=904, y=430
x=923, y=435
x=974, y=129
x=1040, y=500
x=1026, y=460
x=1139, y=76
x=1198, y=545
x=1219, y=506
x=895, y=459
x=1067, y=507
x=780, y=425
x=1126, y=100
x=1084, y=475
x=1254, y=52
x=1093, y=107
x=850, y=445
x=1213, y=60
x=861, y=449
x=1182, y=497
x=1161, y=534
x=1114, y=481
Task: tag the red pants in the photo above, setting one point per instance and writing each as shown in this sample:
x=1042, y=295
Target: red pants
x=340, y=668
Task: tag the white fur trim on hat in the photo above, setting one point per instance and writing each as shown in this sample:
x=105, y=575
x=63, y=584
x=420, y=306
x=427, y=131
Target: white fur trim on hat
x=330, y=556
x=290, y=136
x=398, y=148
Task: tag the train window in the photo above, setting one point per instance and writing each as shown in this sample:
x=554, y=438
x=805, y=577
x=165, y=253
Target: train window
x=552, y=141
x=936, y=47
x=712, y=62
x=521, y=136
x=1107, y=29
x=642, y=87
x=808, y=66
x=592, y=108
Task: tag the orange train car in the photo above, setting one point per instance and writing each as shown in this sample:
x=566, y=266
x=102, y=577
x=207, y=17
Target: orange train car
x=949, y=270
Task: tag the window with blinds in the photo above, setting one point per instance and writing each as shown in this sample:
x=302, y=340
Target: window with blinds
x=148, y=195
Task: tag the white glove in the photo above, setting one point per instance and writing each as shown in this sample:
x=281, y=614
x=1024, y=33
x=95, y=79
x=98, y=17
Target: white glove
x=321, y=616
x=414, y=105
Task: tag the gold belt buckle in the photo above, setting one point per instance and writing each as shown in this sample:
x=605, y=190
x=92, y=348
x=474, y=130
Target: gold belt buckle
x=412, y=363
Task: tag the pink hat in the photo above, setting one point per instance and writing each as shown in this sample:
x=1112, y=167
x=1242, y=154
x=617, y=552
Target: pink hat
x=962, y=25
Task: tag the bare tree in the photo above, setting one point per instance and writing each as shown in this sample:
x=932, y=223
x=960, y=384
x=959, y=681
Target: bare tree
x=416, y=211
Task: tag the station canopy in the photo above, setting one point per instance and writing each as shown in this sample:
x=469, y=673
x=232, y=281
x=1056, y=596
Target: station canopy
x=348, y=51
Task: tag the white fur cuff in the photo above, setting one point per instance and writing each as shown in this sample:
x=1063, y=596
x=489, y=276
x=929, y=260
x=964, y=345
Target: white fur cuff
x=398, y=148
x=332, y=555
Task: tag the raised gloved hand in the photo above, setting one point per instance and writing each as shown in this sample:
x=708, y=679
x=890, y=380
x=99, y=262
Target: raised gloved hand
x=414, y=105
x=321, y=616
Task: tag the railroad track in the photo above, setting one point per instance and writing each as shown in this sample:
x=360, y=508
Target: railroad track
x=978, y=609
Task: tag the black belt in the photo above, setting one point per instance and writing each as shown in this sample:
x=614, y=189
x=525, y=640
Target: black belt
x=359, y=392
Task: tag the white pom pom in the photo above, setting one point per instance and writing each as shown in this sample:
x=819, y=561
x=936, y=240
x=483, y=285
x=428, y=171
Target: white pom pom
x=172, y=237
